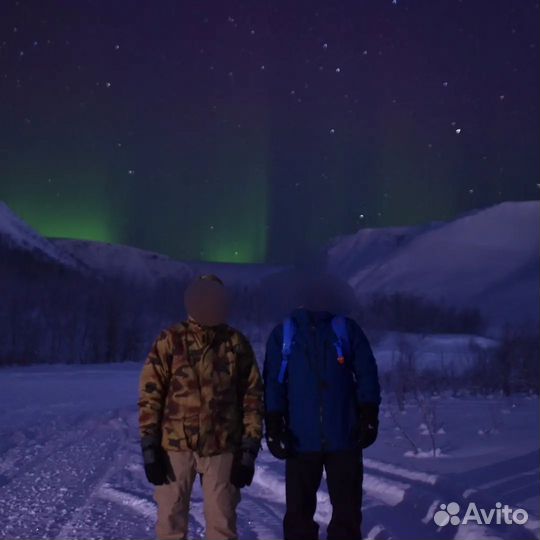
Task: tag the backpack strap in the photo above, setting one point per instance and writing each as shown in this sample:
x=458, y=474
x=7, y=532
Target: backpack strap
x=288, y=338
x=342, y=344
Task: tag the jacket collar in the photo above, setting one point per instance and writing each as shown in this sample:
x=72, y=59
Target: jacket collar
x=206, y=334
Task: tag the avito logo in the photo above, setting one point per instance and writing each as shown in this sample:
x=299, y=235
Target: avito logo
x=449, y=514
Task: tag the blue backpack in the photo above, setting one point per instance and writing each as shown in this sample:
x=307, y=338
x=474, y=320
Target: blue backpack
x=339, y=327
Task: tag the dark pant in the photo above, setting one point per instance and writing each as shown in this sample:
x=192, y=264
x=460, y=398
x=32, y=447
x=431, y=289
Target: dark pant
x=303, y=475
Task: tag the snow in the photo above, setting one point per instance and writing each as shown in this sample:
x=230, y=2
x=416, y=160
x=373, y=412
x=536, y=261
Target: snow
x=115, y=260
x=15, y=234
x=431, y=511
x=146, y=266
x=486, y=259
x=70, y=465
x=400, y=471
x=375, y=532
x=349, y=253
x=472, y=531
x=431, y=350
x=125, y=261
x=425, y=453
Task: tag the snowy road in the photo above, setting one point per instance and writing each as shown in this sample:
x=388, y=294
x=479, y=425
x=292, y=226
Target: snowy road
x=70, y=469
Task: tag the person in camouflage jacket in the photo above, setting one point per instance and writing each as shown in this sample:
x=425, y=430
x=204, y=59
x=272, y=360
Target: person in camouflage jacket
x=200, y=411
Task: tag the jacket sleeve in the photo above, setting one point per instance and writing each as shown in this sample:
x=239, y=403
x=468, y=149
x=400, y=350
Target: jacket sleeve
x=275, y=395
x=364, y=367
x=153, y=386
x=251, y=393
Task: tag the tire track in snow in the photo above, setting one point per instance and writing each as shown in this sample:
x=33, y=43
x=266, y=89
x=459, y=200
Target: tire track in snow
x=400, y=472
x=71, y=528
x=28, y=452
x=49, y=491
x=257, y=519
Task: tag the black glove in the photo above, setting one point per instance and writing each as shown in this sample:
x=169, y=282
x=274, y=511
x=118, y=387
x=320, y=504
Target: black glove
x=155, y=460
x=276, y=435
x=243, y=469
x=368, y=424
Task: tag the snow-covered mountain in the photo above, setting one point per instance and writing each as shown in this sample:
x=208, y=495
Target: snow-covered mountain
x=141, y=265
x=112, y=260
x=487, y=259
x=120, y=261
x=64, y=300
x=71, y=300
x=18, y=237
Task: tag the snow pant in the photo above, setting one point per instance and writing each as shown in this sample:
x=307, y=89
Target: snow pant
x=344, y=474
x=220, y=497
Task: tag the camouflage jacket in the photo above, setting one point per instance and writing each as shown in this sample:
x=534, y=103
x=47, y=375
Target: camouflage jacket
x=201, y=389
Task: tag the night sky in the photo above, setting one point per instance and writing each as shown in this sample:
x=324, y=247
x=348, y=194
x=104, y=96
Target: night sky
x=256, y=131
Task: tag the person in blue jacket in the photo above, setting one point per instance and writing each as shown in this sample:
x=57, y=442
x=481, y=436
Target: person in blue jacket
x=322, y=399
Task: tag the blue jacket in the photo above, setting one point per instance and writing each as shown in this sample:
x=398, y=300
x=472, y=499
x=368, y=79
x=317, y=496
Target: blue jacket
x=320, y=397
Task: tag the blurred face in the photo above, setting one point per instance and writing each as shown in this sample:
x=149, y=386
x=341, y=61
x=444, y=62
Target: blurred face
x=207, y=302
x=320, y=293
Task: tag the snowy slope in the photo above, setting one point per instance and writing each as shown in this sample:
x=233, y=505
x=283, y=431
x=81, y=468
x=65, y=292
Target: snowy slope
x=146, y=266
x=488, y=258
x=17, y=236
x=347, y=254
x=118, y=260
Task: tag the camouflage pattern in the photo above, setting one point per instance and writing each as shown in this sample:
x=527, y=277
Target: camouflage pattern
x=201, y=390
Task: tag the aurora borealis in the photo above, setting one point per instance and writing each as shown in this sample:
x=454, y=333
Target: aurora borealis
x=256, y=132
